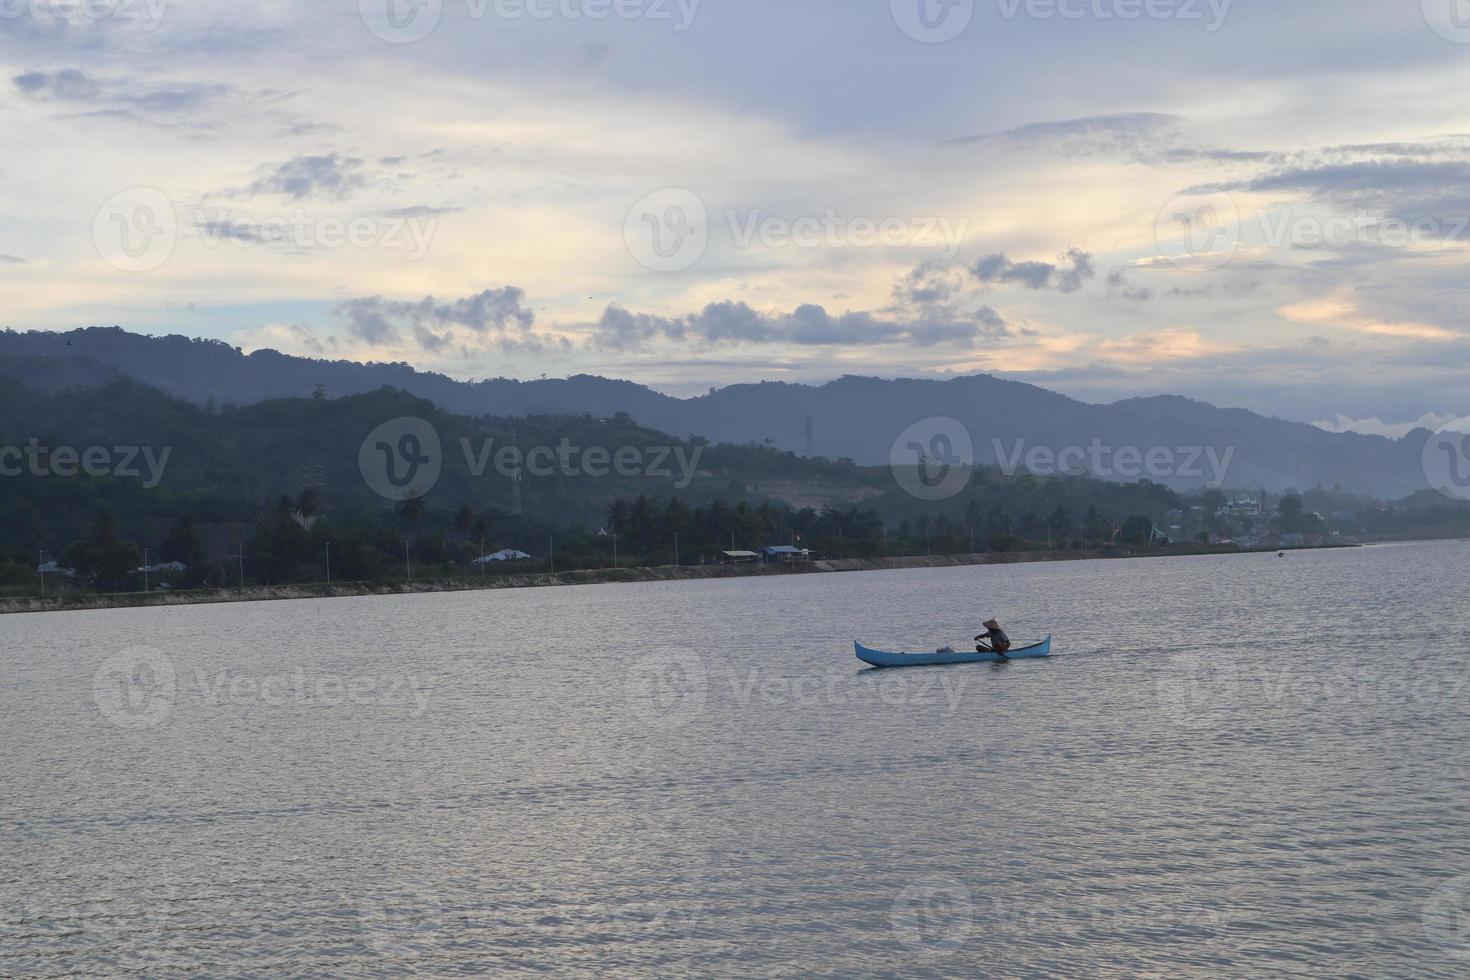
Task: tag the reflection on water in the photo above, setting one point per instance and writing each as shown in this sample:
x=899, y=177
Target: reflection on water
x=1232, y=764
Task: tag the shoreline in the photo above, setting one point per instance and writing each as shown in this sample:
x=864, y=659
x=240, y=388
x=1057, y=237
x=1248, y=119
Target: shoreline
x=75, y=602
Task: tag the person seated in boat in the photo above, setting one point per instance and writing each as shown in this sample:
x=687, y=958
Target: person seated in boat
x=993, y=640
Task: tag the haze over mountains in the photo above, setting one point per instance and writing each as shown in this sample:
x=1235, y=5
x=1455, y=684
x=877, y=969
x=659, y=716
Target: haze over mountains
x=854, y=417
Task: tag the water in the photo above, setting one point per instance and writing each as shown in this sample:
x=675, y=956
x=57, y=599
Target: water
x=1243, y=765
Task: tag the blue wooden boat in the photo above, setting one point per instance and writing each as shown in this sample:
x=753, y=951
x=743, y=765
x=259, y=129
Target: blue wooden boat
x=879, y=658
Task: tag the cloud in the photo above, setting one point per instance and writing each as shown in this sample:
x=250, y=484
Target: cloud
x=331, y=177
x=808, y=325
x=493, y=316
x=1135, y=137
x=928, y=284
x=1119, y=286
x=161, y=105
x=997, y=269
x=1342, y=310
x=11, y=260
x=65, y=85
x=1119, y=134
x=1411, y=182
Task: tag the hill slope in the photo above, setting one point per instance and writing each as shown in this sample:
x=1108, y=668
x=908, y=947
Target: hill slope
x=853, y=417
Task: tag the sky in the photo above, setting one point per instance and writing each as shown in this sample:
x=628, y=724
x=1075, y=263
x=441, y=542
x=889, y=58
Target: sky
x=1257, y=203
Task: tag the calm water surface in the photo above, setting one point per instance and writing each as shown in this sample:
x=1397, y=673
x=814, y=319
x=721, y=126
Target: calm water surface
x=1236, y=765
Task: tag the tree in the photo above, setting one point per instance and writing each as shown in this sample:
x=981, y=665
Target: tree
x=182, y=544
x=1138, y=530
x=308, y=502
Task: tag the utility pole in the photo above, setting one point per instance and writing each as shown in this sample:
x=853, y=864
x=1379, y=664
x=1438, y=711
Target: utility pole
x=732, y=540
x=552, y=553
x=41, y=568
x=676, y=549
x=145, y=569
x=972, y=539
x=482, y=556
x=242, y=566
x=407, y=561
x=329, y=563
x=615, y=549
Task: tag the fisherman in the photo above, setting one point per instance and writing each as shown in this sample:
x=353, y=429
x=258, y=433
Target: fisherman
x=993, y=640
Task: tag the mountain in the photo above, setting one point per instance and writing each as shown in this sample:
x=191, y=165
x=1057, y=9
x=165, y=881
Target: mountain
x=1190, y=443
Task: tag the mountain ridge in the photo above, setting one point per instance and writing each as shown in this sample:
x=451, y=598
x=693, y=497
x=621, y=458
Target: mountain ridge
x=852, y=416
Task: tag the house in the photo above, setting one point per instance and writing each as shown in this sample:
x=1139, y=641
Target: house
x=167, y=566
x=738, y=557
x=786, y=554
x=509, y=554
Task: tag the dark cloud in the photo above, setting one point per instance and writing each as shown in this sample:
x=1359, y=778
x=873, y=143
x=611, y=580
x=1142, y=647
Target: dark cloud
x=331, y=177
x=1412, y=183
x=808, y=325
x=166, y=106
x=1119, y=286
x=65, y=85
x=998, y=270
x=1223, y=290
x=928, y=284
x=494, y=314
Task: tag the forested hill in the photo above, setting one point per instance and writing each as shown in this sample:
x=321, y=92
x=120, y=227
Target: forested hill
x=853, y=417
